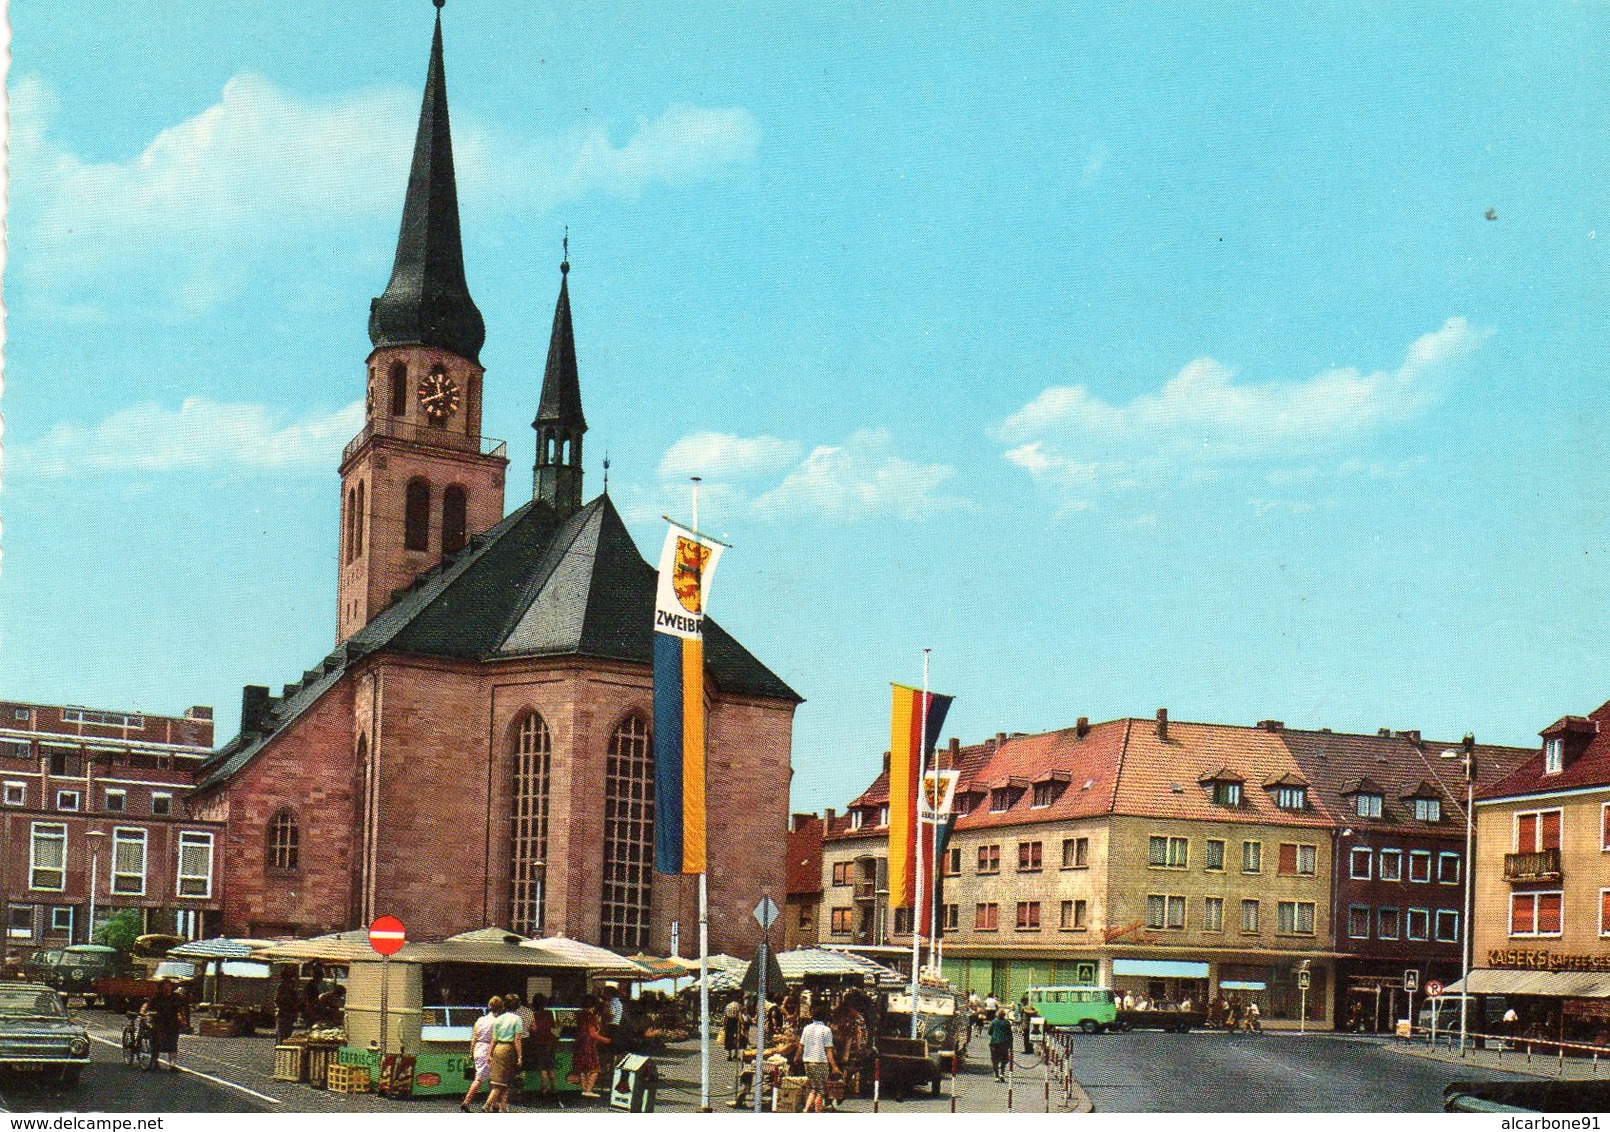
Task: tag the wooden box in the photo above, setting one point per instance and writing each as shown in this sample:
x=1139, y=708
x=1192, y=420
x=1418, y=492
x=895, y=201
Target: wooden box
x=220, y=1028
x=319, y=1060
x=346, y=1078
x=791, y=1094
x=289, y=1062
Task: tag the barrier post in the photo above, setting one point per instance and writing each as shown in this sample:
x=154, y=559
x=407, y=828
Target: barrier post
x=1009, y=1083
x=953, y=1081
x=877, y=1080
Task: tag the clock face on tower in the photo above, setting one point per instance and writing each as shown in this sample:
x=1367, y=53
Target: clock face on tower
x=438, y=396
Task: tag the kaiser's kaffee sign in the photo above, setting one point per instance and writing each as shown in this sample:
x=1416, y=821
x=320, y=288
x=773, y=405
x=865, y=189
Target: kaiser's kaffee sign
x=1545, y=960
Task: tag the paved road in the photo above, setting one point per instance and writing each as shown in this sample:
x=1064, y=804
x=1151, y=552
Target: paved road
x=1146, y=1071
x=110, y=1085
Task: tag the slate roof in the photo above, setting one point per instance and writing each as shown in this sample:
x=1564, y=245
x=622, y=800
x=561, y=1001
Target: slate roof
x=427, y=302
x=1590, y=768
x=533, y=585
x=1393, y=765
x=561, y=385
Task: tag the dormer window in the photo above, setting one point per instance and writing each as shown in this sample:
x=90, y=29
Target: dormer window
x=1553, y=755
x=883, y=816
x=1291, y=797
x=965, y=803
x=1428, y=809
x=1367, y=805
x=856, y=817
x=1000, y=801
x=1227, y=793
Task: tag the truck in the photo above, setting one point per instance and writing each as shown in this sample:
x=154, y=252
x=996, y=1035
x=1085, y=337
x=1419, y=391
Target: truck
x=129, y=983
x=940, y=1046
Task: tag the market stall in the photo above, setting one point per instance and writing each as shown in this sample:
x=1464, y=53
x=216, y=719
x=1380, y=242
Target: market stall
x=407, y=1020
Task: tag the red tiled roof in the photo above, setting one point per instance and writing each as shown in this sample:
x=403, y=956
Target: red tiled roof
x=1590, y=768
x=804, y=875
x=1090, y=763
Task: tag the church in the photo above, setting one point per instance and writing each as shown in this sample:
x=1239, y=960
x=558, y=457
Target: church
x=477, y=749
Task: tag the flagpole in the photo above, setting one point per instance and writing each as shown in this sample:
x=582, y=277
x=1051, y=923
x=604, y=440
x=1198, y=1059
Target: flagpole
x=704, y=908
x=916, y=904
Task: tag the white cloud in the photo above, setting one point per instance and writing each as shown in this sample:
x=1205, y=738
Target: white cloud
x=198, y=435
x=719, y=455
x=264, y=163
x=1069, y=439
x=859, y=479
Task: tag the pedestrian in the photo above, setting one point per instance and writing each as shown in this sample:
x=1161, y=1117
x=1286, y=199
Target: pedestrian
x=507, y=1057
x=1000, y=1044
x=1254, y=1018
x=528, y=1019
x=165, y=1014
x=992, y=1005
x=589, y=1037
x=287, y=1003
x=310, y=993
x=481, y=1049
x=542, y=1044
x=730, y=1040
x=1026, y=1012
x=816, y=1051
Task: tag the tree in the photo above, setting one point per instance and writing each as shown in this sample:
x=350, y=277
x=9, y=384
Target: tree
x=120, y=930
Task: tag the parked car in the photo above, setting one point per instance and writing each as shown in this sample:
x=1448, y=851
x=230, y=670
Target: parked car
x=37, y=965
x=38, y=1036
x=83, y=963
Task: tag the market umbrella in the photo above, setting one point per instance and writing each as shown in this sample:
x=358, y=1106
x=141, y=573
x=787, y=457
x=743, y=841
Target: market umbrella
x=601, y=960
x=220, y=947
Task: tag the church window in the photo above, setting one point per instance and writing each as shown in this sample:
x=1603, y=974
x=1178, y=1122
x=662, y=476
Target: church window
x=628, y=836
x=357, y=525
x=399, y=389
x=455, y=506
x=284, y=841
x=416, y=516
x=528, y=862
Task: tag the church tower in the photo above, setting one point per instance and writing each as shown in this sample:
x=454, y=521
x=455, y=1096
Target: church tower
x=556, y=478
x=419, y=481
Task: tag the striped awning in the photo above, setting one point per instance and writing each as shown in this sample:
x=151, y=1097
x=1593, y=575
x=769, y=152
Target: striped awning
x=1552, y=984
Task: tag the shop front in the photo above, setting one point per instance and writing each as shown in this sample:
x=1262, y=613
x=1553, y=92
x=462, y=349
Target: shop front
x=1277, y=989
x=1161, y=982
x=1564, y=1006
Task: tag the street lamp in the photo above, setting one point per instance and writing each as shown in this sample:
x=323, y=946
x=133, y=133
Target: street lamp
x=1466, y=754
x=94, y=836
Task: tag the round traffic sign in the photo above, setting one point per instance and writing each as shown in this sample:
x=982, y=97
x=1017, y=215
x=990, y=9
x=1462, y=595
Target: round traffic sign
x=1433, y=988
x=386, y=935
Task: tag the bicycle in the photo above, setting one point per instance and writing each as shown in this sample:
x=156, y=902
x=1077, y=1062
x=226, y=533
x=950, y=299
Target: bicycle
x=139, y=1042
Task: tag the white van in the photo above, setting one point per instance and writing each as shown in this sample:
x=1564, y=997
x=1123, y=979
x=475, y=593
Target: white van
x=1439, y=1017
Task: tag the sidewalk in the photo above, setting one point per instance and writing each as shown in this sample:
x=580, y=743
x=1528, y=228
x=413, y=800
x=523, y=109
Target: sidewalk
x=1545, y=1065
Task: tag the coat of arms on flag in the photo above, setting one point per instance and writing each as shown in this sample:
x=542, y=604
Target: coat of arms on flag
x=938, y=793
x=688, y=574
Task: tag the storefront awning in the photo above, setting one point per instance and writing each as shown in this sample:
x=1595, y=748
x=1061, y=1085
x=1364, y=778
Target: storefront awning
x=1160, y=968
x=1239, y=984
x=1555, y=984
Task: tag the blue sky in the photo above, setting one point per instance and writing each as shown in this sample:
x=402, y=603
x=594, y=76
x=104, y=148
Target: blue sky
x=1126, y=357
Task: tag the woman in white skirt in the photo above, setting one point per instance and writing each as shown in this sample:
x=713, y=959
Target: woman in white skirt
x=481, y=1050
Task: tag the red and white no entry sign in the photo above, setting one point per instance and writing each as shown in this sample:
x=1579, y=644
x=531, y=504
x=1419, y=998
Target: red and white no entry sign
x=1433, y=988
x=386, y=935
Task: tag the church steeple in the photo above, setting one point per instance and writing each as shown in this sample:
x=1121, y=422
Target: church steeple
x=556, y=479
x=427, y=302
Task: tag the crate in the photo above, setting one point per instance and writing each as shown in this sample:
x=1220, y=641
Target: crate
x=791, y=1094
x=319, y=1060
x=346, y=1078
x=219, y=1028
x=290, y=1064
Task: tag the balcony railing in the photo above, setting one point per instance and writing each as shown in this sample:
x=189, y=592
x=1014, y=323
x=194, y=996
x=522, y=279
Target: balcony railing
x=866, y=889
x=428, y=435
x=1544, y=865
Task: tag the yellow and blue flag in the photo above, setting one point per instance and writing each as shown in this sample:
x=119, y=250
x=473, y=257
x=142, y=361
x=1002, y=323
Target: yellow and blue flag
x=686, y=565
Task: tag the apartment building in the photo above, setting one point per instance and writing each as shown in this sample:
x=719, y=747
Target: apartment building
x=1166, y=859
x=1542, y=885
x=92, y=814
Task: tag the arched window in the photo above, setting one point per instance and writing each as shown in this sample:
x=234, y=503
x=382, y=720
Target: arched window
x=528, y=859
x=628, y=836
x=284, y=841
x=416, y=516
x=455, y=510
x=399, y=389
x=346, y=524
x=357, y=525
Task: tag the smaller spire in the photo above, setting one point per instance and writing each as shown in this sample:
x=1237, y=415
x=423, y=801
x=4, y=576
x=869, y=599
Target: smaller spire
x=606, y=473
